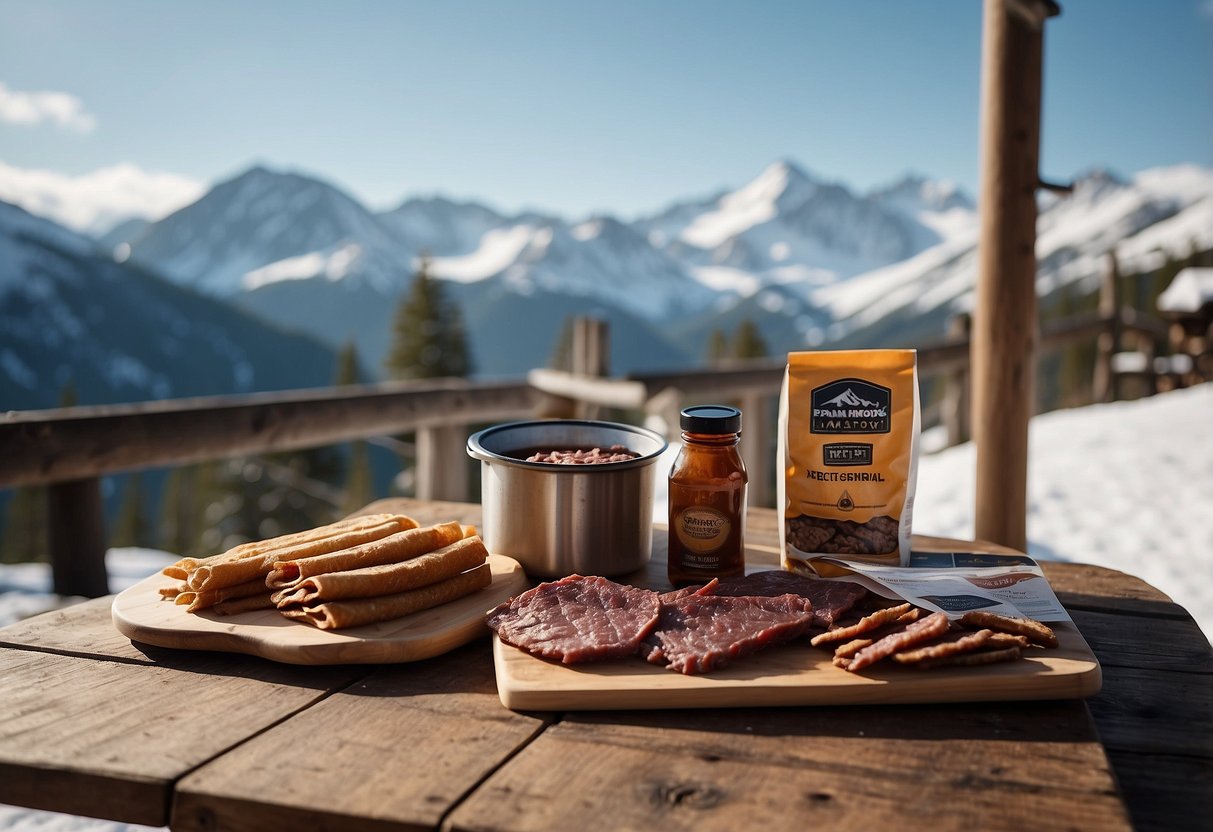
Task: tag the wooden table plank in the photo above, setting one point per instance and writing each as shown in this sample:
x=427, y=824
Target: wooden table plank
x=1155, y=713
x=109, y=739
x=1145, y=642
x=394, y=751
x=1011, y=767
x=84, y=629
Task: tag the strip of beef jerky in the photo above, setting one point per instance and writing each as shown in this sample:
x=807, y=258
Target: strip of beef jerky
x=972, y=659
x=1035, y=632
x=953, y=644
x=707, y=589
x=933, y=626
x=848, y=650
x=287, y=573
x=356, y=612
x=388, y=578
x=830, y=599
x=229, y=572
x=1001, y=641
x=866, y=624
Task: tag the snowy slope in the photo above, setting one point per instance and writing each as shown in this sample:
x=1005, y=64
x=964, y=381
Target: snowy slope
x=442, y=226
x=601, y=259
x=1158, y=212
x=787, y=227
x=116, y=333
x=271, y=226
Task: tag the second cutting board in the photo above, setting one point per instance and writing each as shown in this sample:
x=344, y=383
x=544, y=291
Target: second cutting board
x=790, y=674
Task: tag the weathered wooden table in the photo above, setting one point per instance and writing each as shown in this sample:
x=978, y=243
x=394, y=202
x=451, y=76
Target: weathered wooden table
x=93, y=724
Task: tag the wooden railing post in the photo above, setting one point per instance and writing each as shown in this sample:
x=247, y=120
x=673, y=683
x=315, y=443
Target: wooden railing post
x=757, y=449
x=76, y=536
x=1108, y=344
x=956, y=393
x=442, y=463
x=1005, y=321
x=591, y=357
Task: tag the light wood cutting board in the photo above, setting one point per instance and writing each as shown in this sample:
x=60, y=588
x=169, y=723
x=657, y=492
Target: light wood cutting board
x=791, y=674
x=142, y=615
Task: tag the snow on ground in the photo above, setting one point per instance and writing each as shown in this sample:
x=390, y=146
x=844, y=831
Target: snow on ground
x=1126, y=485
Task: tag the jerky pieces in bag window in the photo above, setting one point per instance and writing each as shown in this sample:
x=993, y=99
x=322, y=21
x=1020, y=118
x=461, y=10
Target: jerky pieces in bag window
x=848, y=439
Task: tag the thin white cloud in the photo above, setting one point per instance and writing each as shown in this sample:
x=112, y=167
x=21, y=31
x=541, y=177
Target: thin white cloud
x=95, y=202
x=30, y=108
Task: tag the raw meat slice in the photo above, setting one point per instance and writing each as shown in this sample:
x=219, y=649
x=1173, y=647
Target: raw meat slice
x=830, y=599
x=577, y=619
x=701, y=633
x=707, y=589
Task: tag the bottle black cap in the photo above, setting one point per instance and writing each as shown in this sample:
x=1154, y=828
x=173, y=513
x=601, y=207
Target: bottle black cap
x=710, y=418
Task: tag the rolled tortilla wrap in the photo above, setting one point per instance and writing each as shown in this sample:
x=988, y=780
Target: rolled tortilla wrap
x=387, y=579
x=184, y=567
x=210, y=597
x=356, y=612
x=287, y=573
x=229, y=572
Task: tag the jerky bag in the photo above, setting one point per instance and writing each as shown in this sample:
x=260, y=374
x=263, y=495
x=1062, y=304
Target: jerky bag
x=848, y=439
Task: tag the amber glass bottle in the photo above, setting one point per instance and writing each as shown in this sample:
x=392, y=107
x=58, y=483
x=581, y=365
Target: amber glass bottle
x=707, y=497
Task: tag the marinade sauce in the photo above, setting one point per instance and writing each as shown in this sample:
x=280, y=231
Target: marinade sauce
x=708, y=484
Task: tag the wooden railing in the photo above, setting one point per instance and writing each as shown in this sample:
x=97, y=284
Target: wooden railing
x=69, y=450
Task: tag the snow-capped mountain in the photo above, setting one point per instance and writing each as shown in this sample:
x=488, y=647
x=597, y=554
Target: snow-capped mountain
x=788, y=227
x=69, y=314
x=601, y=259
x=440, y=226
x=810, y=261
x=1158, y=213
x=261, y=227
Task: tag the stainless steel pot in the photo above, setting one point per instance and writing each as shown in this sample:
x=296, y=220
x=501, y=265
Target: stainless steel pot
x=556, y=520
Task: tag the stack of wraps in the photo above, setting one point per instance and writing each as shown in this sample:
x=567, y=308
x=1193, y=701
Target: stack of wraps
x=346, y=574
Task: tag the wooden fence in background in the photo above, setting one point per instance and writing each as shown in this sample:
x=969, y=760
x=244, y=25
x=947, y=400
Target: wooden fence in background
x=69, y=450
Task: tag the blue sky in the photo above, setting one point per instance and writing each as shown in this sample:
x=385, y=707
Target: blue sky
x=577, y=107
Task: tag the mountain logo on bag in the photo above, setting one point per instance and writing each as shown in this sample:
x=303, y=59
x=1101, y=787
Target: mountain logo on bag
x=850, y=405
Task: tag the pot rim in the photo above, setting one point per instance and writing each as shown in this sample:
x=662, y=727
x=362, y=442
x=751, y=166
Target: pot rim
x=476, y=449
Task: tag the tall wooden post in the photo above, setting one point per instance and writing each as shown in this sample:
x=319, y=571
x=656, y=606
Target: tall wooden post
x=1005, y=322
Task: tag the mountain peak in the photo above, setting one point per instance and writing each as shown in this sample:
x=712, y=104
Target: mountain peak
x=920, y=192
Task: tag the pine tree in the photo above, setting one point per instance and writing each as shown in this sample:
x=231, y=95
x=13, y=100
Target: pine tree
x=359, y=484
x=718, y=347
x=1077, y=359
x=428, y=338
x=347, y=365
x=179, y=514
x=25, y=527
x=748, y=341
x=132, y=528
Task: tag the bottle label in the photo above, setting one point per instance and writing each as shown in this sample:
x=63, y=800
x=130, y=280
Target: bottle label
x=702, y=530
